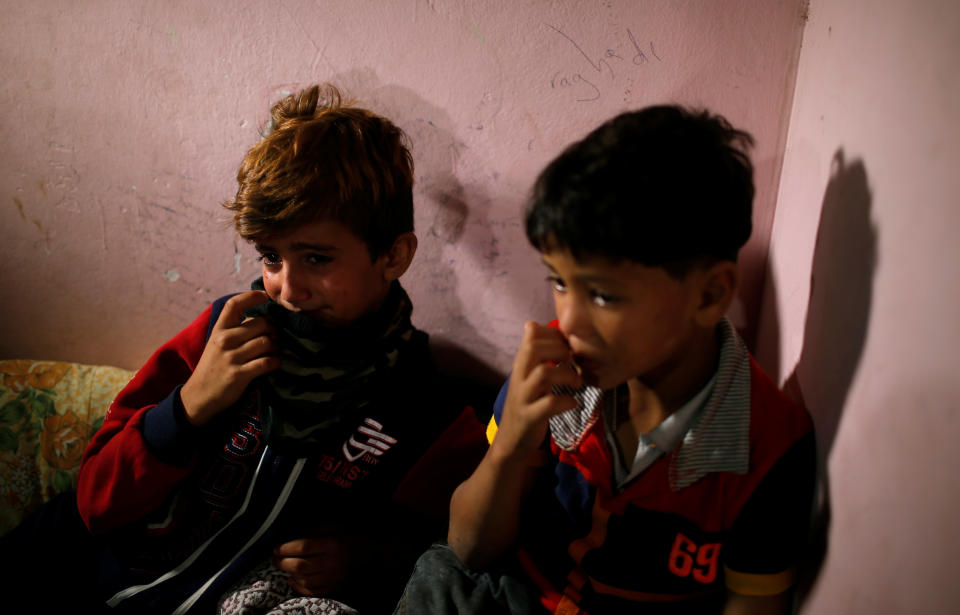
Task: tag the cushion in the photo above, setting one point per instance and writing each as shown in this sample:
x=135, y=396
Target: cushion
x=48, y=412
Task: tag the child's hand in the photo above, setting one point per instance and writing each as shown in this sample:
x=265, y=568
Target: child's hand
x=237, y=352
x=543, y=361
x=317, y=566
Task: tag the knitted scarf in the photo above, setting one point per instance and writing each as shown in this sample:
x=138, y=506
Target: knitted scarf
x=330, y=377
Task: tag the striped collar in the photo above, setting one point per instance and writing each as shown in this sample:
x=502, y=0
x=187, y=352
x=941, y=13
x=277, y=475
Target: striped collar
x=717, y=439
x=659, y=441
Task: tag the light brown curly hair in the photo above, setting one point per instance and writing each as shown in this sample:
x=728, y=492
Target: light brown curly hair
x=325, y=159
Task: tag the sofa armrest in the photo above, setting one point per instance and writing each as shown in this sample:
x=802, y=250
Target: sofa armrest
x=48, y=412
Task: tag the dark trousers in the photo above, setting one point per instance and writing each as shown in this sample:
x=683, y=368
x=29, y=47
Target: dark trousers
x=441, y=585
x=50, y=561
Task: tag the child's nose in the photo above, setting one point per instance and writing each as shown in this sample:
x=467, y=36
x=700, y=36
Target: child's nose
x=573, y=317
x=293, y=288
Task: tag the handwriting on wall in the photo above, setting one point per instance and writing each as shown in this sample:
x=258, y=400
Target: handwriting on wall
x=586, y=82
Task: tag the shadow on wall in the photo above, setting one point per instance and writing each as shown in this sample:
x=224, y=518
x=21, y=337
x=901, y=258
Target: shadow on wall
x=838, y=314
x=446, y=214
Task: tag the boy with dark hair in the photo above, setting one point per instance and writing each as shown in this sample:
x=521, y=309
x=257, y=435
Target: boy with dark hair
x=278, y=435
x=640, y=460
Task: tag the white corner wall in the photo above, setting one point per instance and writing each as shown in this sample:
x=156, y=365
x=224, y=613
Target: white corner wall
x=868, y=207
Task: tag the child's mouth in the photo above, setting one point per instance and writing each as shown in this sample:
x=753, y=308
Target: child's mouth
x=576, y=367
x=586, y=368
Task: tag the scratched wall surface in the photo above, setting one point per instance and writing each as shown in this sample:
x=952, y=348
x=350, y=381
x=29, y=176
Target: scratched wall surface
x=124, y=122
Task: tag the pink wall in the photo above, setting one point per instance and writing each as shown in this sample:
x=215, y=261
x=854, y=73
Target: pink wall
x=124, y=122
x=868, y=206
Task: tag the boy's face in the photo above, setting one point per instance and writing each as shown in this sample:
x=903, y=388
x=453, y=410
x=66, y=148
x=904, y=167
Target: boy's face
x=323, y=270
x=623, y=320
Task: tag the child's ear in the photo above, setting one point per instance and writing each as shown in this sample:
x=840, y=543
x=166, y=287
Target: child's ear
x=718, y=285
x=399, y=256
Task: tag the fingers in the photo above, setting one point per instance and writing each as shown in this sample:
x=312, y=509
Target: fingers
x=313, y=576
x=234, y=338
x=540, y=345
x=544, y=363
x=238, y=351
x=233, y=309
x=548, y=405
x=305, y=547
x=256, y=341
x=242, y=357
x=546, y=376
x=317, y=566
x=304, y=567
x=251, y=337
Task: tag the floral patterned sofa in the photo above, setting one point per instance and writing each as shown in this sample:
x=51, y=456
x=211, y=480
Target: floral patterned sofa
x=48, y=412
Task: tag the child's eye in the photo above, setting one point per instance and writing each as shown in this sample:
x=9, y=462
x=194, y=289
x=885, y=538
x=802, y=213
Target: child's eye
x=269, y=258
x=602, y=299
x=556, y=284
x=318, y=259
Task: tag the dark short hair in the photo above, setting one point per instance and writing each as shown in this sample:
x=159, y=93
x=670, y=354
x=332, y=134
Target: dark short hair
x=662, y=186
x=325, y=159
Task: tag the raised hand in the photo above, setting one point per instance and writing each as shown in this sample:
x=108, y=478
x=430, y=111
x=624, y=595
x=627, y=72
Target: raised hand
x=485, y=509
x=542, y=363
x=239, y=350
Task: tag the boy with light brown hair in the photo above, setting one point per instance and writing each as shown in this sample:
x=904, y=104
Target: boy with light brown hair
x=272, y=449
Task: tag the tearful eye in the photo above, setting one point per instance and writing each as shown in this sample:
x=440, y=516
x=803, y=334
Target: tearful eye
x=556, y=284
x=318, y=259
x=269, y=258
x=603, y=299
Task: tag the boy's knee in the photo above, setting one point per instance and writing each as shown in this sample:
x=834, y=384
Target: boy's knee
x=441, y=584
